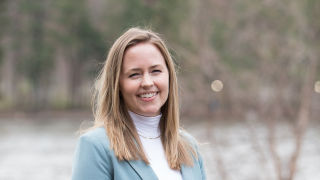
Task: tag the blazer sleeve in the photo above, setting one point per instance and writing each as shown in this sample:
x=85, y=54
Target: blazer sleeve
x=91, y=160
x=202, y=168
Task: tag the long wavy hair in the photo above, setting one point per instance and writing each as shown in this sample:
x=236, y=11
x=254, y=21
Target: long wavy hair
x=111, y=113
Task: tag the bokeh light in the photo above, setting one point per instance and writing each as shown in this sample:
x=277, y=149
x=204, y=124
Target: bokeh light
x=317, y=86
x=216, y=85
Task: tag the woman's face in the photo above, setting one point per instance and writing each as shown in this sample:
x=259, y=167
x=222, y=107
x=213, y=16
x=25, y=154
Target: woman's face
x=144, y=79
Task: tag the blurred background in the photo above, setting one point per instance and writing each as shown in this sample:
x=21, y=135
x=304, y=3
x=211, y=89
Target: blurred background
x=249, y=77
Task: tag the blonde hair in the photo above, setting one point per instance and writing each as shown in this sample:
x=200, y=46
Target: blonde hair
x=110, y=110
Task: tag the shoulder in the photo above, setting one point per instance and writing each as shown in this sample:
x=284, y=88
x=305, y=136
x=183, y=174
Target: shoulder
x=192, y=142
x=96, y=137
x=188, y=137
x=98, y=133
x=93, y=157
x=198, y=159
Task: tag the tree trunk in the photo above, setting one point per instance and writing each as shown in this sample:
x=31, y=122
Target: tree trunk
x=303, y=115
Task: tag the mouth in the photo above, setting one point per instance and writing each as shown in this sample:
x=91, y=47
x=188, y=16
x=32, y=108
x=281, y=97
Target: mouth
x=148, y=96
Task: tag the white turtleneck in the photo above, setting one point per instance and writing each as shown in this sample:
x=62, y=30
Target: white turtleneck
x=149, y=133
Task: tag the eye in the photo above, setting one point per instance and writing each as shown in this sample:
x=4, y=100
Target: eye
x=156, y=71
x=133, y=75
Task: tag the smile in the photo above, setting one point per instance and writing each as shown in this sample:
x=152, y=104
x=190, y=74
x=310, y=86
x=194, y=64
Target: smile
x=148, y=95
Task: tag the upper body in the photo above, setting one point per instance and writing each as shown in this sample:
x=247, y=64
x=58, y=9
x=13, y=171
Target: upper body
x=137, y=85
x=94, y=159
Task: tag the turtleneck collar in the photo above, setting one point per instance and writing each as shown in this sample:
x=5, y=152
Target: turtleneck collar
x=146, y=126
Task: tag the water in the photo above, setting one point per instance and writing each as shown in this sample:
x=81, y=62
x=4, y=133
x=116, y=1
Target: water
x=241, y=151
x=41, y=147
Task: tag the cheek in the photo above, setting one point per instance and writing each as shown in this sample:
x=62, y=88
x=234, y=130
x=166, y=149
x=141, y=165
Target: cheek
x=129, y=88
x=165, y=84
x=124, y=88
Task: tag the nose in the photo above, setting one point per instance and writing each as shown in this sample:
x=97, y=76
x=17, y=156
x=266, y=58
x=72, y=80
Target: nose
x=147, y=81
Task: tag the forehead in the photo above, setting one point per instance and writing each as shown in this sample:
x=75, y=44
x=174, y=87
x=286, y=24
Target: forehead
x=142, y=55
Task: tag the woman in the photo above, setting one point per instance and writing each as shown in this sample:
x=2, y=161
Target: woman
x=136, y=132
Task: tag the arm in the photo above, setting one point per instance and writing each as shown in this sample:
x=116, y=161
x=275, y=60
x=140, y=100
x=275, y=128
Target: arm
x=91, y=161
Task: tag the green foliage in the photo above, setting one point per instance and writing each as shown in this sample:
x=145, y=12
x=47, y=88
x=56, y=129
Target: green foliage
x=254, y=32
x=1, y=56
x=91, y=41
x=237, y=58
x=37, y=64
x=243, y=36
x=3, y=25
x=77, y=32
x=312, y=10
x=163, y=16
x=3, y=16
x=219, y=35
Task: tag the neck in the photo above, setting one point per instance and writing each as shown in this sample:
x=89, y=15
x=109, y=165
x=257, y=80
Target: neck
x=146, y=126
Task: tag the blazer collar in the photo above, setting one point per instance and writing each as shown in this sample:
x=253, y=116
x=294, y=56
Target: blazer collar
x=146, y=172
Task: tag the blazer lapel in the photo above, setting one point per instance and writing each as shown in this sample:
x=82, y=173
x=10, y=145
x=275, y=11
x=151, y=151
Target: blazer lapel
x=143, y=170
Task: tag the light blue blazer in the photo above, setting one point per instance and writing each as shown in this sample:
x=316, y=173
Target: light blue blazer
x=95, y=160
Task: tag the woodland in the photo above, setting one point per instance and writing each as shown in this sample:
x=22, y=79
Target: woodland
x=265, y=52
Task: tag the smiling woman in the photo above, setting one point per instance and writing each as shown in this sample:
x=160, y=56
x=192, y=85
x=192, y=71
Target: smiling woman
x=136, y=134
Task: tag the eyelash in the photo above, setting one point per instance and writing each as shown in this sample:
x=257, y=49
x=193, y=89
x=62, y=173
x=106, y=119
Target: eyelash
x=131, y=75
x=153, y=71
x=156, y=70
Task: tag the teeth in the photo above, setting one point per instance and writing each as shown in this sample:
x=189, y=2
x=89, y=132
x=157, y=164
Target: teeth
x=148, y=95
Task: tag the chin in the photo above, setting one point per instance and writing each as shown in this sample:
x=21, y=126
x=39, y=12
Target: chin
x=150, y=113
